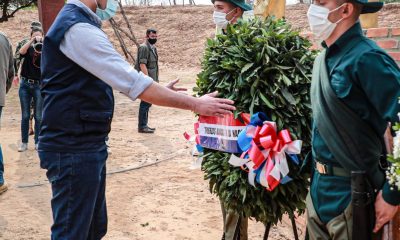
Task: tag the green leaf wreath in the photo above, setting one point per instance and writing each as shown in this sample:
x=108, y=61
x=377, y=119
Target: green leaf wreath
x=263, y=65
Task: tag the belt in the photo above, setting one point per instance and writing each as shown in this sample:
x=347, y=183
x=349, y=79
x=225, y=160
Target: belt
x=30, y=80
x=324, y=169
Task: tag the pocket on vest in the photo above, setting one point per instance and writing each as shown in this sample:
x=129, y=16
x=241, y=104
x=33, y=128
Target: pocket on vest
x=96, y=121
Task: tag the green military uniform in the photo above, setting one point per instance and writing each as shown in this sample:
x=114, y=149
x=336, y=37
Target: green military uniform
x=235, y=227
x=17, y=56
x=147, y=54
x=367, y=80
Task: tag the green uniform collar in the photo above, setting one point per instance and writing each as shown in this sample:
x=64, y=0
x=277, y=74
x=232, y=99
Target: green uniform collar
x=352, y=33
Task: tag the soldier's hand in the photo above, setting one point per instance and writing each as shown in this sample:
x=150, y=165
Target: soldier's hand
x=171, y=85
x=384, y=212
x=210, y=105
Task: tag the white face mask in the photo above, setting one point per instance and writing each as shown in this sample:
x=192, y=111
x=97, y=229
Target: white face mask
x=220, y=19
x=320, y=26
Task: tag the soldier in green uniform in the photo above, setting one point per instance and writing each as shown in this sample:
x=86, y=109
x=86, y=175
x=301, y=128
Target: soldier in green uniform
x=147, y=62
x=228, y=12
x=18, y=62
x=354, y=94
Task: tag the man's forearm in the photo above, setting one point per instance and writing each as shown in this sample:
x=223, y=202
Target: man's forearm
x=11, y=72
x=143, y=69
x=163, y=96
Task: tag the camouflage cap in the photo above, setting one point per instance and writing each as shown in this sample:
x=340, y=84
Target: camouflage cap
x=36, y=24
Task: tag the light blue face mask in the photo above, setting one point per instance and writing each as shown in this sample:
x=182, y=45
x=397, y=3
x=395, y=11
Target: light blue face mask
x=109, y=12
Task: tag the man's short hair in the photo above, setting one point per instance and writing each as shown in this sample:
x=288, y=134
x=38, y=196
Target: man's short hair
x=150, y=30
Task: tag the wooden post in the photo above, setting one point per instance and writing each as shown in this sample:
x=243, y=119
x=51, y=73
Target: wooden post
x=265, y=8
x=369, y=20
x=48, y=10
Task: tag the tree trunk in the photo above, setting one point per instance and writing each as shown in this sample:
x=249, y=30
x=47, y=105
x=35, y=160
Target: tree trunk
x=4, y=17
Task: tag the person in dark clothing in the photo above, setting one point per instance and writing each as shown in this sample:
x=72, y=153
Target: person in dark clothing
x=29, y=89
x=147, y=63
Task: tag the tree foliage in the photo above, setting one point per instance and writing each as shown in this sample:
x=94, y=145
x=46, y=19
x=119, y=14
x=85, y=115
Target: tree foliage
x=10, y=7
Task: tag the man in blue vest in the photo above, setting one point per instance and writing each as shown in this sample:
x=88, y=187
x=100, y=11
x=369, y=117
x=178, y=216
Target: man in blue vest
x=354, y=94
x=79, y=69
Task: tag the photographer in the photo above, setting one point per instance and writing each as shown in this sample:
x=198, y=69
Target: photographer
x=18, y=61
x=30, y=86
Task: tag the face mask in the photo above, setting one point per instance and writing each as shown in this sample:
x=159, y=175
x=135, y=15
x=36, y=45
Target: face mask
x=109, y=12
x=220, y=19
x=320, y=26
x=152, y=41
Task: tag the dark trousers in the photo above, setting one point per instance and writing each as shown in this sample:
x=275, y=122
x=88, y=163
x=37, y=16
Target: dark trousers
x=1, y=157
x=143, y=114
x=29, y=92
x=78, y=182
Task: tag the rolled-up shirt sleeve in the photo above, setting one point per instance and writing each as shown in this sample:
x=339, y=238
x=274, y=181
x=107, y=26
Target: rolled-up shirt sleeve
x=90, y=48
x=143, y=54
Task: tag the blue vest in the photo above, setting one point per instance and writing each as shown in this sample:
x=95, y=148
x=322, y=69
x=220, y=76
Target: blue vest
x=77, y=107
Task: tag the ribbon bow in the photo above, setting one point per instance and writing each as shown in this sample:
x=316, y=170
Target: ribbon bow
x=264, y=152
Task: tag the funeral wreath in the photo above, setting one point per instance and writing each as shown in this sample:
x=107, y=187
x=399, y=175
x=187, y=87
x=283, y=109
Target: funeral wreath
x=264, y=66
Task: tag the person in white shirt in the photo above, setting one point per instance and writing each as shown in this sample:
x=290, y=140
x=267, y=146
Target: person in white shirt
x=79, y=69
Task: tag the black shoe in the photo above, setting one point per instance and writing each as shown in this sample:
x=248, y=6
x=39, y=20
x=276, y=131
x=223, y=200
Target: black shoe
x=145, y=130
x=151, y=128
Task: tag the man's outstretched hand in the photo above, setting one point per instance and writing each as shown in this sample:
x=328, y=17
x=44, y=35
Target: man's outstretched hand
x=210, y=105
x=171, y=85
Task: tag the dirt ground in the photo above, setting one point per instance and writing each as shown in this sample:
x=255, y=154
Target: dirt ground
x=167, y=200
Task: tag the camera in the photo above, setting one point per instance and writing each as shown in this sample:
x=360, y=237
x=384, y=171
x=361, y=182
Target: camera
x=38, y=45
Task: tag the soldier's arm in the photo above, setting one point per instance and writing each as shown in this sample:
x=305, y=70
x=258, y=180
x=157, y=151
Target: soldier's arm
x=143, y=69
x=143, y=53
x=11, y=70
x=379, y=76
x=17, y=55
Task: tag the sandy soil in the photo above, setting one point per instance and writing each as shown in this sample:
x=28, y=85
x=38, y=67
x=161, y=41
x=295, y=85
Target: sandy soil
x=167, y=200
